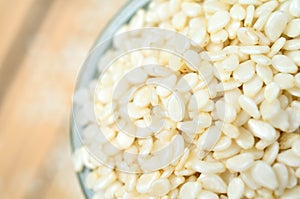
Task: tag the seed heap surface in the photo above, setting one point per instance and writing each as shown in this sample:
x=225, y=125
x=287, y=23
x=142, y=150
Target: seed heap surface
x=246, y=103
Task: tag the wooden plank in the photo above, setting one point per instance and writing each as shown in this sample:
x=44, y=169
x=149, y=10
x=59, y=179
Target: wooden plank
x=11, y=22
x=21, y=20
x=36, y=108
x=39, y=92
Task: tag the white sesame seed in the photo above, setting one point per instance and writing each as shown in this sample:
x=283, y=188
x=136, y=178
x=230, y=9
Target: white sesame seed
x=291, y=29
x=284, y=64
x=282, y=175
x=267, y=6
x=247, y=36
x=230, y=130
x=289, y=158
x=218, y=21
x=272, y=91
x=262, y=20
x=204, y=194
x=208, y=167
x=213, y=183
x=291, y=193
x=284, y=80
x=191, y=9
x=237, y=12
x=292, y=44
x=230, y=63
x=247, y=177
x=294, y=8
x=265, y=73
x=124, y=141
x=187, y=82
x=262, y=129
x=253, y=86
x=249, y=106
x=271, y=153
x=254, y=50
x=261, y=59
x=264, y=175
x=160, y=187
x=245, y=140
x=232, y=29
x=276, y=25
x=189, y=190
x=276, y=47
x=219, y=36
x=235, y=188
x=249, y=15
x=223, y=143
x=179, y=21
x=240, y=162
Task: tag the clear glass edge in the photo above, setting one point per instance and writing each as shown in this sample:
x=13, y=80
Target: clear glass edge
x=122, y=17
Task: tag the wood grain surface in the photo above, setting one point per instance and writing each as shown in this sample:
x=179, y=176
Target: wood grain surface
x=42, y=46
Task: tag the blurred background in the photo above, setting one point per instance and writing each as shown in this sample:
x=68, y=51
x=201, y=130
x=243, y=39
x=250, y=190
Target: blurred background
x=43, y=43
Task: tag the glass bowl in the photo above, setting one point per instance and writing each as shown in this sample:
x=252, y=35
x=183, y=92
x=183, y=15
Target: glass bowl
x=89, y=71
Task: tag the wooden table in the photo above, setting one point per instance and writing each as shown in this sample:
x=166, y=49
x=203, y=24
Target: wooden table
x=43, y=43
